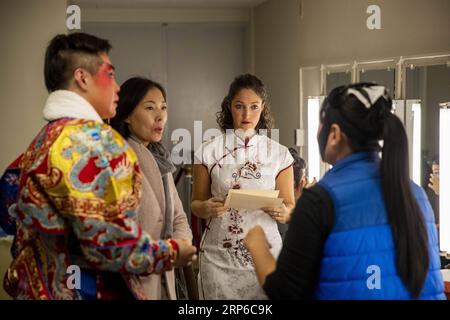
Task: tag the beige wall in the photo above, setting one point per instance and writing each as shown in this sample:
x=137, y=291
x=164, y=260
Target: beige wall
x=165, y=15
x=26, y=26
x=334, y=31
x=277, y=52
x=5, y=245
x=25, y=29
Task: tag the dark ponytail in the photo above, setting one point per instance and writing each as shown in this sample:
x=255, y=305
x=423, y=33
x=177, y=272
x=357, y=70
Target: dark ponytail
x=364, y=127
x=405, y=216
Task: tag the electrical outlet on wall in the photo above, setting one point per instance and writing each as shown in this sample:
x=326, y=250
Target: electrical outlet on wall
x=299, y=137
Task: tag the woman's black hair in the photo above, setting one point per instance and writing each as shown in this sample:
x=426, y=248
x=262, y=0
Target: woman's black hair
x=299, y=166
x=245, y=81
x=365, y=127
x=131, y=93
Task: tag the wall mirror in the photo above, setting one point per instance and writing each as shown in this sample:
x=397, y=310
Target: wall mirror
x=426, y=90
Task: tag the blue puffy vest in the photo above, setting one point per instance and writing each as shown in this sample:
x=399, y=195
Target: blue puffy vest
x=359, y=258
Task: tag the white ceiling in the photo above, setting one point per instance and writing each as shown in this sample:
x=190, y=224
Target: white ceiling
x=167, y=3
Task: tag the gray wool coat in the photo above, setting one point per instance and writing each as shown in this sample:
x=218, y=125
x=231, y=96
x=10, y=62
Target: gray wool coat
x=150, y=216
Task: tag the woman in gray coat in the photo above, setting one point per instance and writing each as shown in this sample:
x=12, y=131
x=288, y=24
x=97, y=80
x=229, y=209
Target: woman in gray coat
x=141, y=117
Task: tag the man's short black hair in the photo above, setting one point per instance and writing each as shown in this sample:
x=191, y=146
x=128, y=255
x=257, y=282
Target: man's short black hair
x=298, y=166
x=65, y=53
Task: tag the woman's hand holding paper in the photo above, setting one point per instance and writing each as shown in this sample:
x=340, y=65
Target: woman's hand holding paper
x=215, y=207
x=281, y=214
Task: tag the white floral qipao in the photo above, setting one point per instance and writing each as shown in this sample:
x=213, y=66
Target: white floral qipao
x=226, y=266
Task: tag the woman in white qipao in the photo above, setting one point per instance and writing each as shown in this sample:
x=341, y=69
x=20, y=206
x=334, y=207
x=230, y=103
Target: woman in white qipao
x=241, y=158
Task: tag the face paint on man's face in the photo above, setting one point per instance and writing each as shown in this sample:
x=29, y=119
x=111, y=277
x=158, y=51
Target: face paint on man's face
x=105, y=75
x=106, y=90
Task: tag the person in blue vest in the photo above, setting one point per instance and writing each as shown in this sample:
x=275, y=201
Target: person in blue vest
x=365, y=231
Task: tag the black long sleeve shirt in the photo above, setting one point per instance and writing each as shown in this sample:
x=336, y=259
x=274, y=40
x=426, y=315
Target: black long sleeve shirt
x=298, y=264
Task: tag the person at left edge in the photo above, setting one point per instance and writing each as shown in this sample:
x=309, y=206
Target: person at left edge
x=79, y=189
